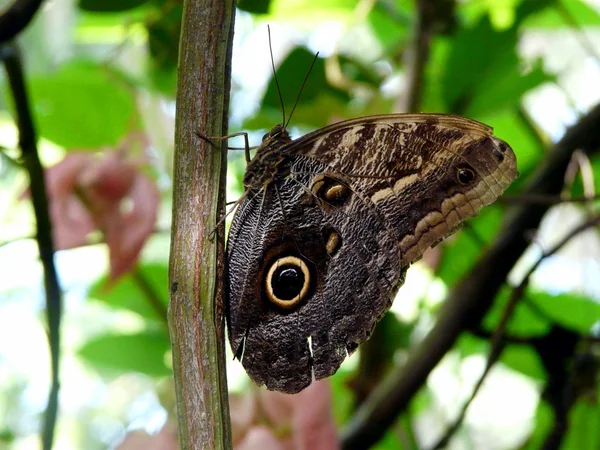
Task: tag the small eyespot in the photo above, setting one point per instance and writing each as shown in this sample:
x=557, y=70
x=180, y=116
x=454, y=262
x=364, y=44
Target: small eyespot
x=287, y=282
x=265, y=136
x=334, y=242
x=465, y=175
x=330, y=190
x=336, y=193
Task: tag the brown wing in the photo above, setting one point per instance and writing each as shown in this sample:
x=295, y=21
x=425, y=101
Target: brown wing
x=408, y=165
x=316, y=255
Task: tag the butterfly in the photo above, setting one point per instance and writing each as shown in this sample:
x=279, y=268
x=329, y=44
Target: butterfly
x=329, y=224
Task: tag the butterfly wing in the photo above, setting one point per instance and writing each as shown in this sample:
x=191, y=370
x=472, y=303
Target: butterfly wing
x=316, y=256
x=426, y=173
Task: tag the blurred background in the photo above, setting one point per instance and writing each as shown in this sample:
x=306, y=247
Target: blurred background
x=101, y=76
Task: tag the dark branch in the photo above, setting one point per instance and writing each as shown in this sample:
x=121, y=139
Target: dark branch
x=28, y=144
x=498, y=342
x=541, y=199
x=470, y=299
x=16, y=18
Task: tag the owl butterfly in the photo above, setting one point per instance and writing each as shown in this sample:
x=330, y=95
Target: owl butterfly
x=330, y=222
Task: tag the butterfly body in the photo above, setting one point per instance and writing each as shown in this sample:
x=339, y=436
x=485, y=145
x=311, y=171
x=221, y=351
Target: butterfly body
x=330, y=223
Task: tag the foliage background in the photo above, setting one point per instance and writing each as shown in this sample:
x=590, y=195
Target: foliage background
x=101, y=70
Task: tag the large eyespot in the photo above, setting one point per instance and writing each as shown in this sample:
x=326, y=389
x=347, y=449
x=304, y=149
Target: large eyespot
x=287, y=282
x=465, y=175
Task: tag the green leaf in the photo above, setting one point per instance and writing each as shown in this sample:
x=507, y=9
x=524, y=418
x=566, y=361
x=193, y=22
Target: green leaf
x=291, y=73
x=110, y=5
x=580, y=11
x=544, y=421
x=308, y=13
x=584, y=430
x=254, y=6
x=342, y=396
x=482, y=72
x=504, y=89
x=575, y=312
x=83, y=105
x=463, y=249
x=477, y=56
x=391, y=22
x=143, y=352
x=525, y=321
x=129, y=293
x=524, y=359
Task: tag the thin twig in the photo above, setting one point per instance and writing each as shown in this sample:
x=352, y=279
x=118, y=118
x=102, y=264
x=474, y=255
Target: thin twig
x=540, y=199
x=497, y=344
x=28, y=144
x=16, y=18
x=150, y=293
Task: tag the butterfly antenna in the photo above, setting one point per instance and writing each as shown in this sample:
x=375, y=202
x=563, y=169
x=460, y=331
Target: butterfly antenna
x=302, y=88
x=275, y=76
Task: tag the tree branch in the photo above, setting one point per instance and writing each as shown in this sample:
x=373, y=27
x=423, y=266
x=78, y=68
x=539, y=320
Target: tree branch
x=196, y=322
x=497, y=343
x=28, y=143
x=16, y=18
x=472, y=297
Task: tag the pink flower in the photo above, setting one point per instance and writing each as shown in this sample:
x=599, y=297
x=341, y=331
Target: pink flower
x=105, y=192
x=265, y=420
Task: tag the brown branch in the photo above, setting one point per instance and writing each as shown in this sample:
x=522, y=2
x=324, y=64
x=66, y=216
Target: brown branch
x=497, y=343
x=417, y=57
x=196, y=322
x=16, y=18
x=37, y=187
x=433, y=16
x=473, y=296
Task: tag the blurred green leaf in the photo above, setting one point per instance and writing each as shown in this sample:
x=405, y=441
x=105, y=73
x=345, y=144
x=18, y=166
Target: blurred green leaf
x=544, y=418
x=463, y=249
x=575, y=312
x=83, y=106
x=501, y=12
x=291, y=74
x=164, y=29
x=524, y=359
x=504, y=89
x=584, y=430
x=390, y=22
x=129, y=294
x=482, y=73
x=310, y=13
x=254, y=6
x=110, y=5
x=580, y=11
x=525, y=321
x=342, y=395
x=143, y=352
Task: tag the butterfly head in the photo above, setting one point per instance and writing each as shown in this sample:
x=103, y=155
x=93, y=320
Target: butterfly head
x=266, y=164
x=277, y=135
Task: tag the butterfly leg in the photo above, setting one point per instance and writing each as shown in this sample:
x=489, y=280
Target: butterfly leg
x=222, y=138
